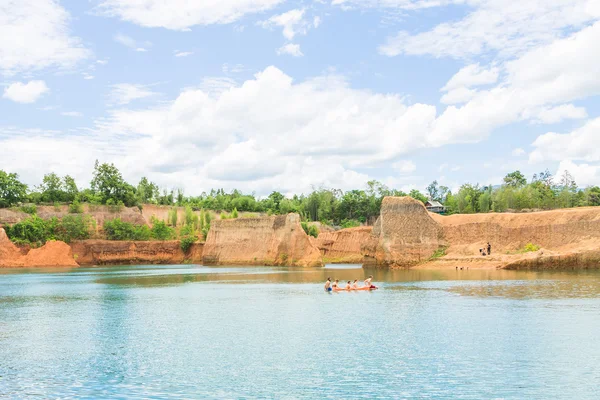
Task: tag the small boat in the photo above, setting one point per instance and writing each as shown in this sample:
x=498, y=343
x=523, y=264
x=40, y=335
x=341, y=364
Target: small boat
x=364, y=288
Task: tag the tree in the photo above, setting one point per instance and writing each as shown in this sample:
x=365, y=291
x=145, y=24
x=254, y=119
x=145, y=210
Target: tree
x=276, y=198
x=12, y=191
x=515, y=179
x=70, y=188
x=108, y=182
x=415, y=194
x=147, y=192
x=52, y=188
x=436, y=192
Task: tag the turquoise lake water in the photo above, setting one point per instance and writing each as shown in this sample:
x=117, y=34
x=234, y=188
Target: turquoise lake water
x=199, y=332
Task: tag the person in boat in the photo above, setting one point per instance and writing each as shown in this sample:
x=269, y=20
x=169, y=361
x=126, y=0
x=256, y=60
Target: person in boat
x=348, y=286
x=368, y=281
x=328, y=285
x=335, y=285
x=355, y=285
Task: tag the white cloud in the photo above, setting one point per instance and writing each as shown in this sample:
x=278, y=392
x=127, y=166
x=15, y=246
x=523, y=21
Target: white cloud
x=404, y=166
x=472, y=75
x=293, y=23
x=458, y=96
x=272, y=118
x=583, y=174
x=130, y=42
x=182, y=14
x=75, y=114
x=183, y=53
x=125, y=93
x=571, y=71
x=581, y=144
x=234, y=69
x=35, y=35
x=553, y=115
x=290, y=49
x=518, y=152
x=503, y=27
x=25, y=93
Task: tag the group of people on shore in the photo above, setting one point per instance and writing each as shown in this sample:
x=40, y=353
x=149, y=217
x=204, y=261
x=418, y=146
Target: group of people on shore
x=335, y=285
x=489, y=250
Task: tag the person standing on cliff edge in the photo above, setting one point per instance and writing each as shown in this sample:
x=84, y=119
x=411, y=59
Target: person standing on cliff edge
x=489, y=249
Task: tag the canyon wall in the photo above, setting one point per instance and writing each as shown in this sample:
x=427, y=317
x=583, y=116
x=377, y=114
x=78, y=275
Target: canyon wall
x=508, y=232
x=343, y=246
x=404, y=235
x=108, y=252
x=275, y=240
x=52, y=254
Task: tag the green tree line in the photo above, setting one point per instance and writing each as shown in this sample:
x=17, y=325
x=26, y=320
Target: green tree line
x=330, y=206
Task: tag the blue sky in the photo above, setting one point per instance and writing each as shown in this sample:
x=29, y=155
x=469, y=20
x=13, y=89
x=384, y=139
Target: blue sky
x=266, y=95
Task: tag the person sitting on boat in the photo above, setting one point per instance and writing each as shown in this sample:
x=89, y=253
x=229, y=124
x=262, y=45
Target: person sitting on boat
x=328, y=285
x=348, y=286
x=335, y=285
x=368, y=281
x=355, y=284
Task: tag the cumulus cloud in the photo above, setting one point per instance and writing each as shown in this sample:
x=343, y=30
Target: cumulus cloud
x=580, y=144
x=293, y=23
x=25, y=93
x=583, y=174
x=553, y=115
x=503, y=27
x=34, y=35
x=125, y=93
x=290, y=49
x=571, y=71
x=182, y=14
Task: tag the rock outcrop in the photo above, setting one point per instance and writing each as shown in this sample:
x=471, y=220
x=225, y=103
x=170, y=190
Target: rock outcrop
x=276, y=240
x=52, y=254
x=404, y=235
x=343, y=246
x=108, y=252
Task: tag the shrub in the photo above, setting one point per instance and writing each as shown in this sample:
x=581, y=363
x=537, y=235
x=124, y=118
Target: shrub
x=117, y=229
x=74, y=227
x=36, y=231
x=186, y=242
x=440, y=252
x=115, y=206
x=29, y=209
x=350, y=223
x=161, y=231
x=530, y=247
x=224, y=216
x=33, y=230
x=313, y=231
x=57, y=207
x=173, y=217
x=234, y=213
x=75, y=207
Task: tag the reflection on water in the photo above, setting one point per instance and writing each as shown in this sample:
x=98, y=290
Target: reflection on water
x=252, y=332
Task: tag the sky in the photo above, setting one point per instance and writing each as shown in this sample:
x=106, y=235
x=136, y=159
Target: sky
x=264, y=95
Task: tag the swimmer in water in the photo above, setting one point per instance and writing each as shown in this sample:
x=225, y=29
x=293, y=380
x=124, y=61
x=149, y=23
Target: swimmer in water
x=328, y=285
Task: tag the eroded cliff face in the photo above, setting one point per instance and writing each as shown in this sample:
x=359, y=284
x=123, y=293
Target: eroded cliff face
x=108, y=252
x=276, y=240
x=404, y=235
x=52, y=254
x=98, y=213
x=508, y=232
x=343, y=246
